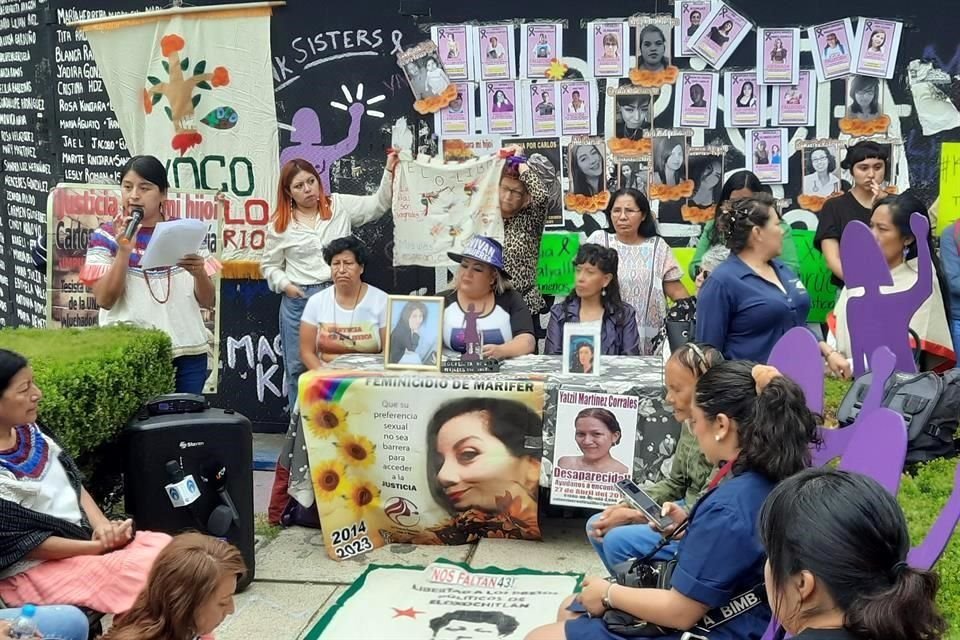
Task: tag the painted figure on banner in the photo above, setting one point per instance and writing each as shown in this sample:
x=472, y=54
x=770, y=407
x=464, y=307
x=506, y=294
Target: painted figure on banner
x=306, y=141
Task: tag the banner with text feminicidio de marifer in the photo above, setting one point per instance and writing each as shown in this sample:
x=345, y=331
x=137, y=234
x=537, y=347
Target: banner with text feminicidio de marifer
x=459, y=463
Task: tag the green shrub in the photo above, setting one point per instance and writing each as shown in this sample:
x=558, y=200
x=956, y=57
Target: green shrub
x=93, y=380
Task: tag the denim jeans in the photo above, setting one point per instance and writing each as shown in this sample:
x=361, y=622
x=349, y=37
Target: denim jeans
x=955, y=330
x=291, y=309
x=57, y=622
x=628, y=541
x=191, y=373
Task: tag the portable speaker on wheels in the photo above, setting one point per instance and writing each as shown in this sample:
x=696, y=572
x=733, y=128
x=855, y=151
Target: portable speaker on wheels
x=191, y=468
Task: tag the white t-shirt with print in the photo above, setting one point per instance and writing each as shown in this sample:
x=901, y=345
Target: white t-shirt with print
x=355, y=330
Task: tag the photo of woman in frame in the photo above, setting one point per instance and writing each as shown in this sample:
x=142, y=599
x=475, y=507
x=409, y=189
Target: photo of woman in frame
x=821, y=172
x=747, y=97
x=721, y=35
x=632, y=115
x=611, y=46
x=652, y=48
x=864, y=95
x=415, y=336
x=779, y=53
x=582, y=355
x=632, y=175
x=500, y=103
x=877, y=41
x=587, y=164
x=669, y=161
x=707, y=174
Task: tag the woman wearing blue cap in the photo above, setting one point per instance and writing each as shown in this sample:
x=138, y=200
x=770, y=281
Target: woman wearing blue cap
x=482, y=293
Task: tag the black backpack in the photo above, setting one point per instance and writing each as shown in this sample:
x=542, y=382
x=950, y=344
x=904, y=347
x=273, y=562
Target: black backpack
x=929, y=404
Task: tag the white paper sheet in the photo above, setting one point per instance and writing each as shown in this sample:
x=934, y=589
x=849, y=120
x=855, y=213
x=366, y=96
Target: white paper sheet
x=171, y=241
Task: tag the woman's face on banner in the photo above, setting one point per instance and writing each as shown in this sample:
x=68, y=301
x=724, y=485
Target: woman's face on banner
x=652, y=47
x=594, y=438
x=747, y=89
x=589, y=160
x=865, y=96
x=675, y=159
x=476, y=467
x=820, y=161
x=416, y=319
x=631, y=112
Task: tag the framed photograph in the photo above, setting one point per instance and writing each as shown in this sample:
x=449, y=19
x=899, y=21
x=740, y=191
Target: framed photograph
x=455, y=48
x=578, y=104
x=669, y=167
x=695, y=104
x=542, y=114
x=720, y=34
x=608, y=49
x=653, y=42
x=821, y=169
x=767, y=155
x=706, y=171
x=877, y=45
x=587, y=168
x=456, y=119
x=500, y=111
x=581, y=349
x=632, y=114
x=745, y=99
x=495, y=52
x=795, y=105
x=833, y=52
x=864, y=98
x=424, y=71
x=414, y=332
x=540, y=44
x=632, y=173
x=778, y=55
x=689, y=15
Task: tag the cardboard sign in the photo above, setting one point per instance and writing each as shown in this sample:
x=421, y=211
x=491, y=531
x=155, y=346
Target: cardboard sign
x=555, y=272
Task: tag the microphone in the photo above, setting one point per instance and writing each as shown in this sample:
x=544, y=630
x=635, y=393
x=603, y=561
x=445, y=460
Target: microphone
x=226, y=513
x=182, y=490
x=136, y=217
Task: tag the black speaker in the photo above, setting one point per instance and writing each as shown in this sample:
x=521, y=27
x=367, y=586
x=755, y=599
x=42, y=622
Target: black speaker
x=215, y=446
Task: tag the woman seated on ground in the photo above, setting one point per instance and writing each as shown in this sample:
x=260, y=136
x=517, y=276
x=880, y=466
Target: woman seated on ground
x=719, y=557
x=350, y=316
x=56, y=545
x=620, y=531
x=596, y=431
x=902, y=252
x=189, y=592
x=837, y=546
x=483, y=307
x=61, y=622
x=595, y=300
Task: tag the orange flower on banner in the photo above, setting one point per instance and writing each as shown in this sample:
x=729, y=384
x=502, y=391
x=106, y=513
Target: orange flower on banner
x=697, y=215
x=626, y=146
x=586, y=204
x=356, y=451
x=892, y=190
x=221, y=77
x=557, y=70
x=814, y=203
x=858, y=127
x=516, y=516
x=364, y=494
x=647, y=78
x=330, y=480
x=666, y=193
x=147, y=102
x=435, y=103
x=171, y=44
x=326, y=419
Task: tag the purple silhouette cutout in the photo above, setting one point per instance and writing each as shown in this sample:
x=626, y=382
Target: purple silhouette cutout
x=877, y=448
x=926, y=554
x=307, y=138
x=876, y=319
x=797, y=356
x=471, y=336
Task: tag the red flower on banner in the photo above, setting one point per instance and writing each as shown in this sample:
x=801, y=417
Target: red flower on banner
x=171, y=44
x=147, y=102
x=185, y=141
x=221, y=77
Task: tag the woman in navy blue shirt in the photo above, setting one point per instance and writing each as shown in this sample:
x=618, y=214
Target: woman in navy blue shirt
x=837, y=546
x=720, y=557
x=752, y=299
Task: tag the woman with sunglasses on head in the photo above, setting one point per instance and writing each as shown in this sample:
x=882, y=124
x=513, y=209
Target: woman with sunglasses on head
x=620, y=531
x=738, y=409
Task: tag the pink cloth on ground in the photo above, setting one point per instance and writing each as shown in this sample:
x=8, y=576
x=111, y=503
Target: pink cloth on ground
x=109, y=583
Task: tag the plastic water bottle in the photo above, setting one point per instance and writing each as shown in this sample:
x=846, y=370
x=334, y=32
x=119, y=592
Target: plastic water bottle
x=26, y=625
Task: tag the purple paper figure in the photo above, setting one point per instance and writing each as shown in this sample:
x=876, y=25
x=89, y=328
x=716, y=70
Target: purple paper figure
x=877, y=319
x=471, y=335
x=306, y=141
x=797, y=356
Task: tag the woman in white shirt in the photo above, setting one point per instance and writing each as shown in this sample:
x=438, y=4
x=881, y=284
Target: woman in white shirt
x=306, y=220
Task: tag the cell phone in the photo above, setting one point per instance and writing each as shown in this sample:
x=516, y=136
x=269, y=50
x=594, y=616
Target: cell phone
x=643, y=502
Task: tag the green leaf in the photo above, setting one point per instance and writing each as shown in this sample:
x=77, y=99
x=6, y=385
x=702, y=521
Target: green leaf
x=169, y=113
x=185, y=64
x=200, y=68
x=204, y=85
x=157, y=97
x=153, y=80
x=166, y=66
x=196, y=100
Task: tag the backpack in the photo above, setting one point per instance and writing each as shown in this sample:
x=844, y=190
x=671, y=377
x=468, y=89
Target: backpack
x=929, y=404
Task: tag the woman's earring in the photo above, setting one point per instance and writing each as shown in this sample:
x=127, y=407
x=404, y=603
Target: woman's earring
x=717, y=437
x=603, y=292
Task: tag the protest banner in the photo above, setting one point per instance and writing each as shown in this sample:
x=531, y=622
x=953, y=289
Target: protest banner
x=74, y=211
x=555, y=272
x=595, y=441
x=445, y=600
x=815, y=275
x=459, y=463
x=949, y=209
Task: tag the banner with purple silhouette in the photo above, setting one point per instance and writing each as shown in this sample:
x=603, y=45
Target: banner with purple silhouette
x=744, y=99
x=833, y=52
x=877, y=45
x=455, y=48
x=437, y=207
x=778, y=55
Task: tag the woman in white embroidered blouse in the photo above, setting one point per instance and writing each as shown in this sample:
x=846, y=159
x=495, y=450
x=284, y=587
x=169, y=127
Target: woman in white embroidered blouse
x=306, y=220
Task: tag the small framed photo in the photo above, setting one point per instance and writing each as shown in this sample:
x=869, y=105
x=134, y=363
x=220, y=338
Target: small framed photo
x=633, y=173
x=581, y=349
x=669, y=167
x=720, y=34
x=821, y=169
x=414, y=332
x=833, y=53
x=455, y=48
x=540, y=44
x=794, y=105
x=767, y=155
x=587, y=167
x=609, y=49
x=689, y=15
x=495, y=52
x=577, y=102
x=778, y=55
x=542, y=114
x=706, y=171
x=425, y=73
x=456, y=119
x=745, y=99
x=864, y=98
x=501, y=115
x=877, y=45
x=696, y=101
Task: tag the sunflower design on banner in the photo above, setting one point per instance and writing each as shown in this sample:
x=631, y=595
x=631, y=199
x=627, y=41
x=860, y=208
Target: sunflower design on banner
x=460, y=463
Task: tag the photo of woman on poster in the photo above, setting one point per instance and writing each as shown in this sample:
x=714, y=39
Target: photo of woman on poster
x=760, y=155
x=495, y=50
x=669, y=161
x=587, y=172
x=707, y=172
x=415, y=335
x=632, y=115
x=597, y=431
x=697, y=96
x=611, y=46
x=577, y=105
x=877, y=39
x=500, y=102
x=632, y=177
x=480, y=449
x=436, y=78
x=747, y=97
x=775, y=154
x=864, y=93
x=453, y=47
x=652, y=47
x=581, y=355
x=695, y=18
x=779, y=53
x=820, y=173
x=833, y=48
x=721, y=35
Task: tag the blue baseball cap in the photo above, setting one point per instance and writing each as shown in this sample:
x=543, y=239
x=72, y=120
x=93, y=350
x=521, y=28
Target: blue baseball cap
x=482, y=249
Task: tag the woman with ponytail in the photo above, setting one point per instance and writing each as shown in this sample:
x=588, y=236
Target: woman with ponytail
x=836, y=569
x=754, y=424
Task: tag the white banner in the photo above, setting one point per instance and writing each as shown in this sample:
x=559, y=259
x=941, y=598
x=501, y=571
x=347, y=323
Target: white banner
x=184, y=92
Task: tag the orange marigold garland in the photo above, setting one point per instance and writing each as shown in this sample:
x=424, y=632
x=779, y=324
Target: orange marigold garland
x=647, y=78
x=667, y=193
x=858, y=127
x=587, y=204
x=628, y=147
x=435, y=103
x=698, y=215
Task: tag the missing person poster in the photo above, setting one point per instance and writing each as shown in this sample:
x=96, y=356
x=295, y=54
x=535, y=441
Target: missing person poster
x=445, y=601
x=421, y=459
x=595, y=441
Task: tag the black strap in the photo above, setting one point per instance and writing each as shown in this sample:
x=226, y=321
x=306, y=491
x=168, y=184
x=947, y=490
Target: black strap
x=737, y=606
